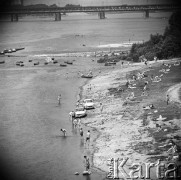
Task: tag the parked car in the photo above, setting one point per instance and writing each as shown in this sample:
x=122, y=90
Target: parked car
x=80, y=112
x=88, y=104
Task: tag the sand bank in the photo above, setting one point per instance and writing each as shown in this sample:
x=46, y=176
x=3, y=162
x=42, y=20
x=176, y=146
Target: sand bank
x=125, y=129
x=174, y=93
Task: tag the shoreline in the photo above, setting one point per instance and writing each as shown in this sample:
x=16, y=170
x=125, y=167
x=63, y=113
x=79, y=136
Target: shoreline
x=92, y=124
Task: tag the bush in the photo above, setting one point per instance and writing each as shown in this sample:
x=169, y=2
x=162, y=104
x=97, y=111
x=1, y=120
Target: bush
x=161, y=46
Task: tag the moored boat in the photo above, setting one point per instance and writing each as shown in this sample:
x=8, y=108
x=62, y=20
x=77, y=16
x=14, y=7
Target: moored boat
x=63, y=65
x=68, y=62
x=86, y=76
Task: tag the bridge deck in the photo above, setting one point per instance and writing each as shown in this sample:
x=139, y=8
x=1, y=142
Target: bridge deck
x=124, y=8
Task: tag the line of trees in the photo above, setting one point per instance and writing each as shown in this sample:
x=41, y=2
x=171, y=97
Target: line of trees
x=163, y=46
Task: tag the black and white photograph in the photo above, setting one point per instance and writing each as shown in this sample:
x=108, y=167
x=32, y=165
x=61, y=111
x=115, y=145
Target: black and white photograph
x=90, y=89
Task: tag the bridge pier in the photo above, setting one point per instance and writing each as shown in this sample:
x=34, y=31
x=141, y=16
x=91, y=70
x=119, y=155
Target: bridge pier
x=101, y=15
x=58, y=16
x=14, y=17
x=146, y=14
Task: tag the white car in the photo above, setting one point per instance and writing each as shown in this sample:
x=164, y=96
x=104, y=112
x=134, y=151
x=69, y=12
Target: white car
x=88, y=104
x=80, y=112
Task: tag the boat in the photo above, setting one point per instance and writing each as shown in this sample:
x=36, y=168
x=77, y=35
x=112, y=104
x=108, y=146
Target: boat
x=2, y=62
x=68, y=62
x=110, y=63
x=11, y=50
x=36, y=63
x=86, y=173
x=86, y=76
x=55, y=61
x=63, y=65
x=19, y=63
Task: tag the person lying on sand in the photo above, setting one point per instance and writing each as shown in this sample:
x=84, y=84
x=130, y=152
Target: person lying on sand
x=151, y=106
x=167, y=99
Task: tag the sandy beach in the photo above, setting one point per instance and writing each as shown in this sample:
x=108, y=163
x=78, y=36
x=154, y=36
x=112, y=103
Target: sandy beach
x=125, y=128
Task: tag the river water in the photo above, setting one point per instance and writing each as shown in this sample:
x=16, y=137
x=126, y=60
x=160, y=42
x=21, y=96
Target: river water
x=31, y=145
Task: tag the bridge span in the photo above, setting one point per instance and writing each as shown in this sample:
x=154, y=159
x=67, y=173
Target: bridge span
x=101, y=10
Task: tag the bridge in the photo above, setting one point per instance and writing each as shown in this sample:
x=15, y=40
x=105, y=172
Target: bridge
x=101, y=10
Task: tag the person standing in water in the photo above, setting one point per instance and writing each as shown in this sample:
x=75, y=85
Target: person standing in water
x=59, y=98
x=64, y=131
x=87, y=140
x=75, y=123
x=87, y=163
x=79, y=123
x=81, y=131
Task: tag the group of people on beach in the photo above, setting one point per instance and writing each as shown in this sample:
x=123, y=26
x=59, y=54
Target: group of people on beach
x=76, y=122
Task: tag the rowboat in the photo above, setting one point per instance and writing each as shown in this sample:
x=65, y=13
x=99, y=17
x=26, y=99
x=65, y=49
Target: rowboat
x=86, y=76
x=68, y=62
x=63, y=65
x=2, y=62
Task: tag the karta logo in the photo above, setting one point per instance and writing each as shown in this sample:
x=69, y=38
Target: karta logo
x=163, y=171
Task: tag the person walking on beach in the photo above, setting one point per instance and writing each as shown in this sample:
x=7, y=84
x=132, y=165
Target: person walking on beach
x=79, y=123
x=71, y=114
x=75, y=123
x=64, y=131
x=59, y=98
x=168, y=99
x=87, y=163
x=87, y=140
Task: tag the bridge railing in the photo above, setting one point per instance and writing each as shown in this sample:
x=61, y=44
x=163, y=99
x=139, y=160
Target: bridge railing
x=24, y=8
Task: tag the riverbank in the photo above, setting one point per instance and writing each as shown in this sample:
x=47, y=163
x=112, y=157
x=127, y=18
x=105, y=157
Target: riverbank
x=125, y=128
